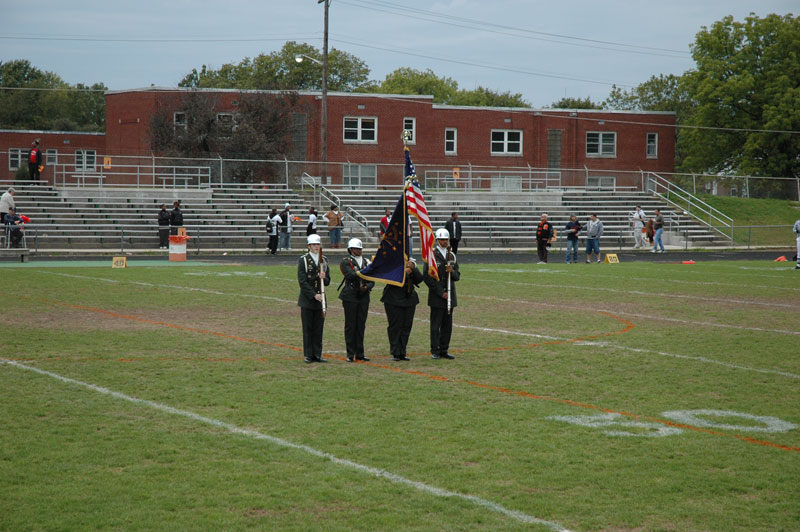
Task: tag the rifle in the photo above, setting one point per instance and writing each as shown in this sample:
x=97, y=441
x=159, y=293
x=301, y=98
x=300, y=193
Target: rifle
x=449, y=283
x=322, y=284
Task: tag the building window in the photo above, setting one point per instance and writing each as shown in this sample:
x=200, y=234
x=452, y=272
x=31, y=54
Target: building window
x=360, y=129
x=226, y=124
x=179, y=120
x=14, y=158
x=51, y=157
x=652, y=145
x=601, y=144
x=85, y=160
x=506, y=142
x=410, y=125
x=450, y=141
x=359, y=175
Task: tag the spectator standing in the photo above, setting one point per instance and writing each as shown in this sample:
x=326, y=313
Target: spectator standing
x=335, y=220
x=34, y=161
x=7, y=202
x=453, y=227
x=285, y=230
x=797, y=234
x=439, y=291
x=545, y=233
x=273, y=222
x=637, y=222
x=163, y=227
x=14, y=226
x=594, y=230
x=650, y=230
x=311, y=228
x=312, y=272
x=573, y=227
x=355, y=300
x=175, y=218
x=658, y=225
x=400, y=303
x=384, y=226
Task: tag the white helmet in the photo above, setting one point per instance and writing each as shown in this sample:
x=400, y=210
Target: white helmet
x=442, y=233
x=313, y=239
x=354, y=243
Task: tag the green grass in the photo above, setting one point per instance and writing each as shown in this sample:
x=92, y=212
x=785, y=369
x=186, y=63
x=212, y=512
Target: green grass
x=758, y=212
x=533, y=343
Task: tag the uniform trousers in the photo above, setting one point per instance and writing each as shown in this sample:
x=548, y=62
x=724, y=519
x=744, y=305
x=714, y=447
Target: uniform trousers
x=541, y=249
x=355, y=321
x=313, y=324
x=441, y=330
x=163, y=236
x=400, y=320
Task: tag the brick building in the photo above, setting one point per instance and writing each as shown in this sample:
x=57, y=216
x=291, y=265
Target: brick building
x=364, y=138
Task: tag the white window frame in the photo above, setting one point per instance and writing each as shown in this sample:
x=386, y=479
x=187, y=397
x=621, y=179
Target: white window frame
x=182, y=124
x=14, y=154
x=505, y=142
x=51, y=157
x=454, y=141
x=410, y=125
x=599, y=139
x=82, y=158
x=353, y=175
x=651, y=147
x=361, y=132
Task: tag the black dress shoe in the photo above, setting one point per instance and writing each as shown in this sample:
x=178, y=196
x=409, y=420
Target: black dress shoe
x=448, y=356
x=309, y=360
x=435, y=356
x=400, y=359
x=363, y=359
x=320, y=359
x=350, y=359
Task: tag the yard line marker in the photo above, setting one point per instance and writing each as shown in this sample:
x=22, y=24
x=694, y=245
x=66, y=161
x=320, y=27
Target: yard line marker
x=380, y=473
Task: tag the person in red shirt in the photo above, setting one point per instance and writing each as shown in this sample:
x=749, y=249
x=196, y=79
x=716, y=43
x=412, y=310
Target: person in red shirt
x=385, y=221
x=34, y=161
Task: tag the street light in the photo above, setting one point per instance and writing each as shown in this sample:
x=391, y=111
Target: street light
x=299, y=58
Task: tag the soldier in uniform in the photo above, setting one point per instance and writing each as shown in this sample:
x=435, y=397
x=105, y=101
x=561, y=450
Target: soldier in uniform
x=355, y=300
x=439, y=292
x=400, y=303
x=312, y=273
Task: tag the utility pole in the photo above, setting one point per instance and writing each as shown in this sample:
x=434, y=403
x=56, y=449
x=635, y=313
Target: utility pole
x=324, y=118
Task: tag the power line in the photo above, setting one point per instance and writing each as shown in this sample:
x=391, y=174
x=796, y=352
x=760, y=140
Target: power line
x=484, y=26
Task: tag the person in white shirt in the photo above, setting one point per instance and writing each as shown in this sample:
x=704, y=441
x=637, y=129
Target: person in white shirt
x=311, y=228
x=637, y=221
x=285, y=232
x=797, y=232
x=272, y=229
x=6, y=202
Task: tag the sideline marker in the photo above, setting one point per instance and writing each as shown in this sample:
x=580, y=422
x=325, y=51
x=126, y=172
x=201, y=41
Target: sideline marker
x=687, y=262
x=119, y=262
x=611, y=258
x=782, y=258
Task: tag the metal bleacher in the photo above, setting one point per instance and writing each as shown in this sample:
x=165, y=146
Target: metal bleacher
x=83, y=218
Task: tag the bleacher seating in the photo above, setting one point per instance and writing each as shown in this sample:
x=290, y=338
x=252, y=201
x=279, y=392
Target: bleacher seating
x=235, y=217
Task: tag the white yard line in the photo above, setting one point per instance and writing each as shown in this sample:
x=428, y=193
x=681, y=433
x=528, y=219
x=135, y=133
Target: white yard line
x=643, y=293
x=369, y=470
x=485, y=329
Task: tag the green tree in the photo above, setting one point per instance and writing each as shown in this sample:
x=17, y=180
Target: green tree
x=280, y=71
x=37, y=99
x=483, y=97
x=575, y=103
x=747, y=78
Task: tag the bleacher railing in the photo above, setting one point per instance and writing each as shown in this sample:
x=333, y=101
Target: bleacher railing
x=709, y=216
x=323, y=193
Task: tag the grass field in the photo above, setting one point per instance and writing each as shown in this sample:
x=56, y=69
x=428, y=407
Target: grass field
x=640, y=396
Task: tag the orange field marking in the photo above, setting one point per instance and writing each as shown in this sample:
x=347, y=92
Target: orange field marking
x=439, y=378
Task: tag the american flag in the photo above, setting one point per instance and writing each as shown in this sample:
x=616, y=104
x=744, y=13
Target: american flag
x=415, y=204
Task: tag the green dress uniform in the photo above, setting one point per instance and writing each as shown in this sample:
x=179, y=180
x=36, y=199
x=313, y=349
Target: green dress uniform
x=311, y=309
x=355, y=300
x=400, y=303
x=441, y=320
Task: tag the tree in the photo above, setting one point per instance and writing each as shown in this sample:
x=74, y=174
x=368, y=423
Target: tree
x=444, y=90
x=280, y=71
x=747, y=78
x=42, y=100
x=260, y=129
x=575, y=103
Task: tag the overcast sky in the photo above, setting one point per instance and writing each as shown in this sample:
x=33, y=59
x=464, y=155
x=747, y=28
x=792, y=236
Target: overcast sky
x=544, y=50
